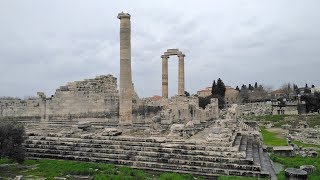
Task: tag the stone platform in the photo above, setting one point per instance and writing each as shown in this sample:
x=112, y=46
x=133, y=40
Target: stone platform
x=237, y=153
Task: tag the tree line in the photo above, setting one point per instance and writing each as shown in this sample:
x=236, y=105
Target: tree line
x=252, y=93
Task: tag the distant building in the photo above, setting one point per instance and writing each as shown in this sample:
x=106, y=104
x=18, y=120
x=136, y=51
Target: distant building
x=204, y=92
x=278, y=93
x=288, y=108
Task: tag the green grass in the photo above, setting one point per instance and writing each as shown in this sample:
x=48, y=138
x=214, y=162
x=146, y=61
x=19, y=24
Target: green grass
x=296, y=162
x=238, y=178
x=301, y=144
x=175, y=176
x=278, y=120
x=49, y=169
x=271, y=139
x=4, y=161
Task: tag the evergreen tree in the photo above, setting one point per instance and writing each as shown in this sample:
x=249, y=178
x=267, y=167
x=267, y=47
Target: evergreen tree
x=213, y=87
x=237, y=88
x=220, y=88
x=306, y=85
x=243, y=87
x=256, y=85
x=250, y=87
x=218, y=91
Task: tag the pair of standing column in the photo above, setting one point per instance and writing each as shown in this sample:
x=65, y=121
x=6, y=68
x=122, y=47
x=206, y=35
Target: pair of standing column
x=165, y=75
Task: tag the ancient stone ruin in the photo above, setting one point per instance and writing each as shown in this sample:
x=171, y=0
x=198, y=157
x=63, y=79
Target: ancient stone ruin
x=165, y=58
x=91, y=120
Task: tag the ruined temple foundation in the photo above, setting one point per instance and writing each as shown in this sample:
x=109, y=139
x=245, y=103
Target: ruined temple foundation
x=125, y=99
x=226, y=149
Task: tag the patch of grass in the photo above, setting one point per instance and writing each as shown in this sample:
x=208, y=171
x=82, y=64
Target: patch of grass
x=175, y=176
x=296, y=162
x=4, y=161
x=278, y=120
x=301, y=144
x=238, y=178
x=271, y=139
x=48, y=168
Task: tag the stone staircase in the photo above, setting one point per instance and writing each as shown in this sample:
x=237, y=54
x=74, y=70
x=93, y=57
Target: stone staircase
x=244, y=157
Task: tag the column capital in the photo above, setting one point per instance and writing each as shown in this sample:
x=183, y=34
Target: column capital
x=165, y=56
x=123, y=15
x=181, y=55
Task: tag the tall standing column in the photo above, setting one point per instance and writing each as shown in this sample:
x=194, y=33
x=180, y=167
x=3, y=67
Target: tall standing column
x=125, y=99
x=164, y=76
x=181, y=75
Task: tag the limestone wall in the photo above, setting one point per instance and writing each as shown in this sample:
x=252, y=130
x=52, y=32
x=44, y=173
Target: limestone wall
x=90, y=98
x=22, y=108
x=257, y=108
x=287, y=110
x=98, y=98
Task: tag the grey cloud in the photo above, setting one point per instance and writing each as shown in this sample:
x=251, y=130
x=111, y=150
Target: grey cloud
x=46, y=44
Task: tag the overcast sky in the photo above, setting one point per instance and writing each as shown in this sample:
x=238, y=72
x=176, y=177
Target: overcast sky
x=45, y=44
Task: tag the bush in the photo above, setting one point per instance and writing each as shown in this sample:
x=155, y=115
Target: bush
x=12, y=135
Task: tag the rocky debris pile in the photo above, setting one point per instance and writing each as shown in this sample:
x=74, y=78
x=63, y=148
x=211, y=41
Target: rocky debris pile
x=308, y=168
x=85, y=126
x=111, y=132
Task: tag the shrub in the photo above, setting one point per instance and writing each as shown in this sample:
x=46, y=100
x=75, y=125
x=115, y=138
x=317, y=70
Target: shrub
x=12, y=135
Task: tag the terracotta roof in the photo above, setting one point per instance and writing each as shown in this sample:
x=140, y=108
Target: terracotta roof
x=204, y=90
x=156, y=98
x=279, y=91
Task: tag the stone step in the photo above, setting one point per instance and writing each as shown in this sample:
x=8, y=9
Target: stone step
x=61, y=149
x=237, y=141
x=154, y=166
x=142, y=157
x=256, y=155
x=157, y=143
x=243, y=144
x=249, y=153
x=266, y=166
x=163, y=154
x=43, y=145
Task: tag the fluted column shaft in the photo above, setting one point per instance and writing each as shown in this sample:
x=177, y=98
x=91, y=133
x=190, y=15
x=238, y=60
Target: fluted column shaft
x=125, y=99
x=181, y=75
x=164, y=76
